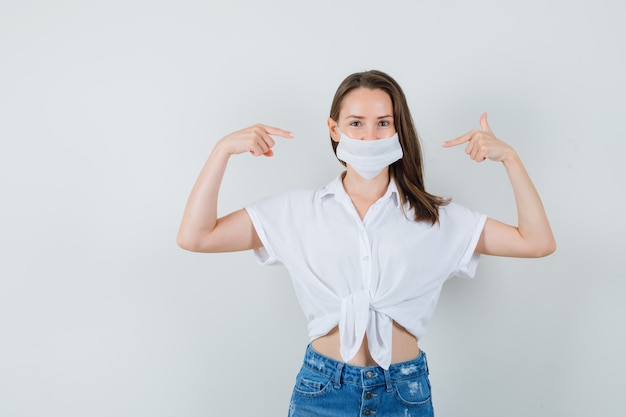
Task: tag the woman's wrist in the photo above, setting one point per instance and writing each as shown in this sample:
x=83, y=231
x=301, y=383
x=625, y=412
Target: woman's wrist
x=221, y=150
x=510, y=157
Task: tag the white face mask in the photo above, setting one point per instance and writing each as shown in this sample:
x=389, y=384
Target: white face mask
x=369, y=157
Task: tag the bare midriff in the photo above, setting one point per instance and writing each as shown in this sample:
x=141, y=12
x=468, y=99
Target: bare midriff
x=404, y=347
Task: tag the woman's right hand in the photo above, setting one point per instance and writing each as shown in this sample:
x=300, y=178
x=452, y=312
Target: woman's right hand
x=255, y=139
x=200, y=229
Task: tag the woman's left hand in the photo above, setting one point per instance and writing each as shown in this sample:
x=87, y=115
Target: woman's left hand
x=532, y=237
x=482, y=144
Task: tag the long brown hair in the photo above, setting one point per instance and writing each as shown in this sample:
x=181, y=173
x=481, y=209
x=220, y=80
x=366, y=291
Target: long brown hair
x=408, y=171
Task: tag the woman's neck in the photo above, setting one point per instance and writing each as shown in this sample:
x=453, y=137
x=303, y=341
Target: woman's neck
x=358, y=187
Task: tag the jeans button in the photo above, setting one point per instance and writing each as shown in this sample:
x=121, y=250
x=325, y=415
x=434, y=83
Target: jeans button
x=370, y=374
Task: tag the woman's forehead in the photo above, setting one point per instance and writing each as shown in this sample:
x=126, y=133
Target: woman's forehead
x=365, y=102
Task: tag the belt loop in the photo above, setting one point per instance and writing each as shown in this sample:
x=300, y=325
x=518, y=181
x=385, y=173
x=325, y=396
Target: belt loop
x=426, y=363
x=387, y=380
x=337, y=377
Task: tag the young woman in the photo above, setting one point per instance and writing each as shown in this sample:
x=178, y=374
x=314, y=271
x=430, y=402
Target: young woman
x=369, y=252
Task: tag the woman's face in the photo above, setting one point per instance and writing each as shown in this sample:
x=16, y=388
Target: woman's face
x=365, y=114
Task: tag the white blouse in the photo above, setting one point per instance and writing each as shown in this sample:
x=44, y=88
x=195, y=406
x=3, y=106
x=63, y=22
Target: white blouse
x=362, y=274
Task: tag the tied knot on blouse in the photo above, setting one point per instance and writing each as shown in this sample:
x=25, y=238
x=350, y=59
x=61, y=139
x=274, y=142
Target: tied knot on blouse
x=358, y=317
x=361, y=275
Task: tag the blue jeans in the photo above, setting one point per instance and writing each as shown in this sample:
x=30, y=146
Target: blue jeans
x=326, y=387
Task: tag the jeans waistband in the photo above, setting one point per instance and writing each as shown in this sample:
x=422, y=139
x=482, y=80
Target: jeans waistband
x=364, y=375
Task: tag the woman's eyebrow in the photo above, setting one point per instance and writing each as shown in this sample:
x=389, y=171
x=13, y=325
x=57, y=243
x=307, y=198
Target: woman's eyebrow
x=353, y=116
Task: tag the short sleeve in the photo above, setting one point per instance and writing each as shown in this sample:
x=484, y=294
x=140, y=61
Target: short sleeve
x=467, y=226
x=274, y=219
x=266, y=254
x=469, y=260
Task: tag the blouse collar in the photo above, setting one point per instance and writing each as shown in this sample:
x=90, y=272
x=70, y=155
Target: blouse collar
x=335, y=188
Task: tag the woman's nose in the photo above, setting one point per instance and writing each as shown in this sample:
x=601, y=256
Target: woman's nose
x=369, y=134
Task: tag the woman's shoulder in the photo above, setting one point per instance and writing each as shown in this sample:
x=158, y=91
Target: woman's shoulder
x=453, y=212
x=298, y=196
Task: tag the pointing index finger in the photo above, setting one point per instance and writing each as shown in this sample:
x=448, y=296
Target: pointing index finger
x=461, y=139
x=275, y=131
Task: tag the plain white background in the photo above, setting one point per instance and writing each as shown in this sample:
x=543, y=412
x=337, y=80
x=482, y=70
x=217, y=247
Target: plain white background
x=109, y=109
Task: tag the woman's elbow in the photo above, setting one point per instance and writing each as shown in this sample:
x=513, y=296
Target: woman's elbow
x=550, y=248
x=182, y=242
x=188, y=243
x=544, y=249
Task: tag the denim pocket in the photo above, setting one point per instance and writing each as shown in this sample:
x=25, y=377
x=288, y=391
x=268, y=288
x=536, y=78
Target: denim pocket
x=312, y=384
x=414, y=391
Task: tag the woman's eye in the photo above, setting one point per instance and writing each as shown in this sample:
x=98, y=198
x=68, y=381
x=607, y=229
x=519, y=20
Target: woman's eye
x=355, y=123
x=383, y=123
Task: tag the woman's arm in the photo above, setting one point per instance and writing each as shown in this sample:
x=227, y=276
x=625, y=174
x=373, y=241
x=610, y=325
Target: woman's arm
x=200, y=229
x=532, y=238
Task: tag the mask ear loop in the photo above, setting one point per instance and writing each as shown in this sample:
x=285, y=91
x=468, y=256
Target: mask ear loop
x=338, y=131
